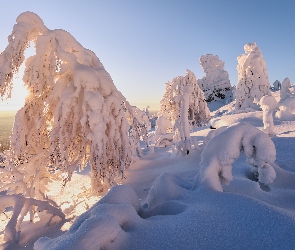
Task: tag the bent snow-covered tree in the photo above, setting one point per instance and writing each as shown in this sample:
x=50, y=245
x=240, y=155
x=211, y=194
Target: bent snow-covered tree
x=222, y=150
x=73, y=115
x=253, y=80
x=184, y=105
x=215, y=84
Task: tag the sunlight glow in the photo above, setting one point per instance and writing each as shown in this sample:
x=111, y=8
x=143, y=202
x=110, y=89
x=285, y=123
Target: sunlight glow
x=17, y=100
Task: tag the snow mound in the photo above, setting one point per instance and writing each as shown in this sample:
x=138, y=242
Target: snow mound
x=165, y=188
x=103, y=224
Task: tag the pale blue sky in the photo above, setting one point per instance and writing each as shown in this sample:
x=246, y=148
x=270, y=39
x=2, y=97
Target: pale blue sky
x=144, y=44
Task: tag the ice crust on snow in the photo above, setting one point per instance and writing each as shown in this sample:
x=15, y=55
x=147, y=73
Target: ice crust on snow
x=215, y=84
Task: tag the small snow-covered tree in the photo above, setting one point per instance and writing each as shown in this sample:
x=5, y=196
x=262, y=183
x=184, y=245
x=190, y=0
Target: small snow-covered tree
x=140, y=125
x=184, y=105
x=253, y=80
x=171, y=103
x=277, y=85
x=215, y=84
x=268, y=104
x=223, y=149
x=285, y=90
x=162, y=136
x=73, y=116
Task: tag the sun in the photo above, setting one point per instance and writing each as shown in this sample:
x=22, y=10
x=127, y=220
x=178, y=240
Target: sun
x=17, y=100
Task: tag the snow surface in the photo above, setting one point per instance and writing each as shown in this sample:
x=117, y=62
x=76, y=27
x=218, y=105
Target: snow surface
x=161, y=205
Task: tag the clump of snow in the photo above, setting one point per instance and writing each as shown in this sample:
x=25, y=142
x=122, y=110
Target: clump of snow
x=215, y=84
x=253, y=80
x=268, y=105
x=222, y=150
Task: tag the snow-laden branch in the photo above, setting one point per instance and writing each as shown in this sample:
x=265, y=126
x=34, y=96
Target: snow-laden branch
x=222, y=151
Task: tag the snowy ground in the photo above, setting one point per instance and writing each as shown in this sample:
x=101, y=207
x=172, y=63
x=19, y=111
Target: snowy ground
x=166, y=211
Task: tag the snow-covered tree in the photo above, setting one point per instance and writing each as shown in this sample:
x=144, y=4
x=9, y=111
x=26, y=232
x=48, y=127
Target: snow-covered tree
x=215, y=84
x=277, y=85
x=253, y=80
x=184, y=105
x=268, y=104
x=162, y=136
x=223, y=149
x=171, y=103
x=73, y=115
x=141, y=124
x=285, y=89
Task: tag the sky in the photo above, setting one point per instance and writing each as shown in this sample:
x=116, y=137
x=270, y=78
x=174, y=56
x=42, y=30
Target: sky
x=144, y=44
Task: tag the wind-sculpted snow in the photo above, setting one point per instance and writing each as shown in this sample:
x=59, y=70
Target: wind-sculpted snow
x=222, y=150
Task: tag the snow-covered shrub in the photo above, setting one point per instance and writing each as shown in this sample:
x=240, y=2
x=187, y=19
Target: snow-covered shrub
x=162, y=136
x=285, y=90
x=222, y=150
x=253, y=80
x=21, y=206
x=215, y=84
x=276, y=85
x=268, y=104
x=73, y=115
x=184, y=105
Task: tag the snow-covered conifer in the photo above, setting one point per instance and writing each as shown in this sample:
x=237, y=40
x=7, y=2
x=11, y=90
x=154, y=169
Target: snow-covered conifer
x=215, y=84
x=74, y=115
x=253, y=80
